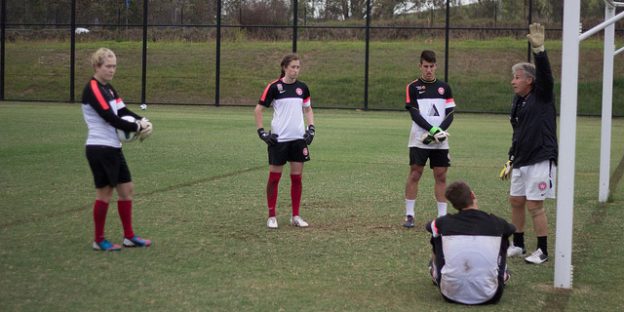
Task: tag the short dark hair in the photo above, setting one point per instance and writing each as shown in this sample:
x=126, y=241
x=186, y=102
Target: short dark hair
x=427, y=55
x=459, y=194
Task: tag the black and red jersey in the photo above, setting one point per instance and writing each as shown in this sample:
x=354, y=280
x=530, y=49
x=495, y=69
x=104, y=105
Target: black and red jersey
x=288, y=101
x=431, y=99
x=102, y=108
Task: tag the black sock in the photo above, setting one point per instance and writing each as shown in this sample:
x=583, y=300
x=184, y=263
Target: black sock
x=542, y=243
x=518, y=240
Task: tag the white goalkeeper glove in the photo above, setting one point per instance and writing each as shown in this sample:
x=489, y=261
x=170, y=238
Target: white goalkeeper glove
x=506, y=171
x=536, y=37
x=146, y=129
x=441, y=135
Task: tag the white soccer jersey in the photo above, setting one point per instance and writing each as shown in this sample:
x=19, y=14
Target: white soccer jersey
x=288, y=101
x=470, y=274
x=432, y=99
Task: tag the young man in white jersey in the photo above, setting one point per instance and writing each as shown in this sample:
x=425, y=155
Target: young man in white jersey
x=430, y=104
x=102, y=109
x=288, y=138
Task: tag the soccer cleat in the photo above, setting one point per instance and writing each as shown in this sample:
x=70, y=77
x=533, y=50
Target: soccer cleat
x=272, y=223
x=106, y=246
x=136, y=242
x=514, y=251
x=409, y=222
x=298, y=222
x=537, y=257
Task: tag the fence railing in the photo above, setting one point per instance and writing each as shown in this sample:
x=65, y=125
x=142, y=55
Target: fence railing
x=218, y=28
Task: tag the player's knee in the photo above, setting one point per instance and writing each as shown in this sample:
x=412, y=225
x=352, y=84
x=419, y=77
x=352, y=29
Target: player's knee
x=414, y=176
x=517, y=201
x=536, y=211
x=439, y=175
x=440, y=178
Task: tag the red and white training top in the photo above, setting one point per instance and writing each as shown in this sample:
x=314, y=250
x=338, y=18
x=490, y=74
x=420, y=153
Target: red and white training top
x=288, y=101
x=102, y=109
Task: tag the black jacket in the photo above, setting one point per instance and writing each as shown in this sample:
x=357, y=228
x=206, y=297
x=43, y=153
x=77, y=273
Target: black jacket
x=533, y=119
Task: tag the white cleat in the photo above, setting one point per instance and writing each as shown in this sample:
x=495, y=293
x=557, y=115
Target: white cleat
x=272, y=223
x=537, y=257
x=514, y=251
x=298, y=222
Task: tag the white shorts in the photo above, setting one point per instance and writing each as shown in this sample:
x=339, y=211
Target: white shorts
x=536, y=182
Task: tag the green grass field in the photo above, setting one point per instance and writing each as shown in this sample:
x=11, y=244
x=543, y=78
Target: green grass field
x=200, y=196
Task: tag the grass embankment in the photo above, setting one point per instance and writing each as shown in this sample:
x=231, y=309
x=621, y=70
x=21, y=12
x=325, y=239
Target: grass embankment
x=179, y=72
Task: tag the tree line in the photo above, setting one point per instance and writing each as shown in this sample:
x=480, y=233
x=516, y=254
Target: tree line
x=191, y=12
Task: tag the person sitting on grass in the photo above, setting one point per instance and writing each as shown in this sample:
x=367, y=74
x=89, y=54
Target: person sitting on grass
x=469, y=250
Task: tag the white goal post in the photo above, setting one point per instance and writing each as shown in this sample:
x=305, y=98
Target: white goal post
x=567, y=150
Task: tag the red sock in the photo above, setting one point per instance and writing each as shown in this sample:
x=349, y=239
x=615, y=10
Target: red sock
x=271, y=190
x=100, y=208
x=295, y=193
x=124, y=207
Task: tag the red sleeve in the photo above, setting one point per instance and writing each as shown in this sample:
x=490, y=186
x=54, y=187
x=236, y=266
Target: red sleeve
x=268, y=95
x=100, y=100
x=410, y=98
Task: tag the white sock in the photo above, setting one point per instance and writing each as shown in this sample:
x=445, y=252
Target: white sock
x=409, y=207
x=441, y=209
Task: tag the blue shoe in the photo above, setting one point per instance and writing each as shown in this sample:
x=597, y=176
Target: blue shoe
x=409, y=222
x=106, y=246
x=136, y=242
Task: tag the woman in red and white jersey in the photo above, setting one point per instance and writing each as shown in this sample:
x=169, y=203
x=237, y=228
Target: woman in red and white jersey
x=288, y=138
x=102, y=109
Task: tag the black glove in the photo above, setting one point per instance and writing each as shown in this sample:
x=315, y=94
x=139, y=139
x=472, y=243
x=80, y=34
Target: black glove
x=427, y=138
x=309, y=134
x=268, y=137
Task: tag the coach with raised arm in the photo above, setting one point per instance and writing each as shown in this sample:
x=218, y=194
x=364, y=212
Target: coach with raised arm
x=532, y=163
x=469, y=250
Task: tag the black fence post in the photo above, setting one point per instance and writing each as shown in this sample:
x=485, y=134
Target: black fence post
x=295, y=24
x=72, y=57
x=530, y=20
x=446, y=40
x=367, y=52
x=218, y=56
x=144, y=53
x=3, y=42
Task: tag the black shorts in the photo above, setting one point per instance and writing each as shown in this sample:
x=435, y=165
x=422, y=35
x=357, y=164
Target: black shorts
x=437, y=157
x=293, y=151
x=108, y=165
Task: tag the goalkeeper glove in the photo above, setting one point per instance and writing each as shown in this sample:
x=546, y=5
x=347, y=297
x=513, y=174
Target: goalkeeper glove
x=536, y=37
x=506, y=171
x=309, y=134
x=146, y=128
x=427, y=138
x=440, y=136
x=268, y=137
x=434, y=130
